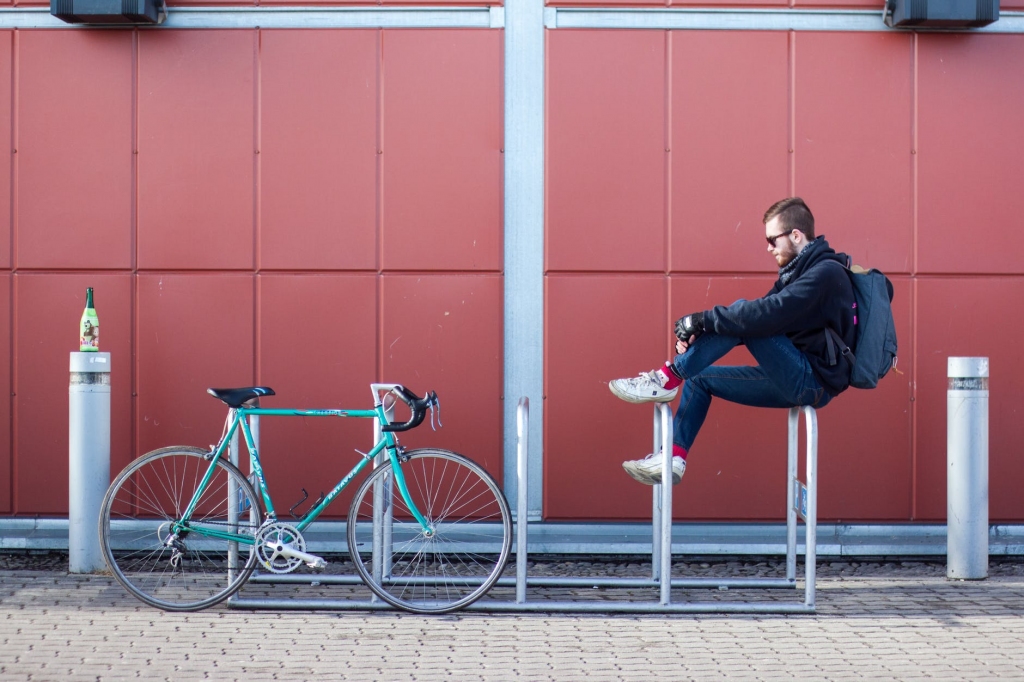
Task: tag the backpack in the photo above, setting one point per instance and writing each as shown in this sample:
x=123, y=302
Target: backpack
x=874, y=330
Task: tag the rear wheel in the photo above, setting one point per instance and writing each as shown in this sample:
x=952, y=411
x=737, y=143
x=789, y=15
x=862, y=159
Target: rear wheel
x=164, y=562
x=457, y=560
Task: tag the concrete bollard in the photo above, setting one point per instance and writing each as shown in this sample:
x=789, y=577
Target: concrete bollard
x=967, y=469
x=88, y=458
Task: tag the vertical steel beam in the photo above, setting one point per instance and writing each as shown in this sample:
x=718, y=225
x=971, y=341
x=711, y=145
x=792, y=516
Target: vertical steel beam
x=524, y=237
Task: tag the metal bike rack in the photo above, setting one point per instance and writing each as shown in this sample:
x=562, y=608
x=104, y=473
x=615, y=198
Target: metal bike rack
x=801, y=502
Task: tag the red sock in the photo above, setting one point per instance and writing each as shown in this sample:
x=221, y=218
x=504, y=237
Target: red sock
x=678, y=451
x=671, y=380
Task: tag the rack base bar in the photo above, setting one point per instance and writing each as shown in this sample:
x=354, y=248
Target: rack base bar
x=487, y=605
x=694, y=583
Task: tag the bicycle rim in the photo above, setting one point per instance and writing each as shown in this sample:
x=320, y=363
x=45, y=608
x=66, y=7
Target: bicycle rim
x=464, y=556
x=183, y=571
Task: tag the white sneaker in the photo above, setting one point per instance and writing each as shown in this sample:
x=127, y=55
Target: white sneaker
x=648, y=469
x=645, y=388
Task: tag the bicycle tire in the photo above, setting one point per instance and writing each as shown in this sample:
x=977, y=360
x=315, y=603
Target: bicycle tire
x=466, y=554
x=147, y=497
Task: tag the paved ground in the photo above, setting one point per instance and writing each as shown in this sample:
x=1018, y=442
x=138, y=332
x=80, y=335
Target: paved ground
x=884, y=620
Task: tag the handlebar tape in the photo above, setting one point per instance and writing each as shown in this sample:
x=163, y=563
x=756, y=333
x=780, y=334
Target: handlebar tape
x=417, y=405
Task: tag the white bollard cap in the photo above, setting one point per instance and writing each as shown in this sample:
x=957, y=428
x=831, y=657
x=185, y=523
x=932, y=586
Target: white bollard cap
x=90, y=362
x=967, y=367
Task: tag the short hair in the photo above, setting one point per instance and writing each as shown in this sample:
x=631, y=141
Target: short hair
x=793, y=214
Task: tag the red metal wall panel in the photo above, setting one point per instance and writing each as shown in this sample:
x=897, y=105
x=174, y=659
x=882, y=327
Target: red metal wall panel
x=6, y=469
x=598, y=327
x=6, y=40
x=318, y=180
x=47, y=308
x=444, y=333
x=970, y=152
x=969, y=317
x=853, y=115
x=196, y=149
x=194, y=332
x=317, y=349
x=75, y=169
x=442, y=136
x=606, y=150
x=730, y=135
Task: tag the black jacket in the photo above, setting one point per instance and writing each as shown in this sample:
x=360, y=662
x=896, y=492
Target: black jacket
x=818, y=295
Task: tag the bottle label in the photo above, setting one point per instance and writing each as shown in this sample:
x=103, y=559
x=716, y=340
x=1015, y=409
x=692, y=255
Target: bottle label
x=90, y=331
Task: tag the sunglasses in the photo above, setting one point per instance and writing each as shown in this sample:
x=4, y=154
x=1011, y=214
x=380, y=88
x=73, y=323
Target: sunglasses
x=771, y=240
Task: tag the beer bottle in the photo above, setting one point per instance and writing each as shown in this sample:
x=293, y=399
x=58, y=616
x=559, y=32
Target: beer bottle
x=89, y=328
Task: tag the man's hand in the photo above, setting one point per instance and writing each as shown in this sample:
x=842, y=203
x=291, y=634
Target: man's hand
x=688, y=328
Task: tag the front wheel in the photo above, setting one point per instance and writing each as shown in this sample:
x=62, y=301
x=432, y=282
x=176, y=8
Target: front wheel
x=452, y=564
x=169, y=563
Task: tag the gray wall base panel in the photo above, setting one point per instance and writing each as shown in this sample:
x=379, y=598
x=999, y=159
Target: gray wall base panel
x=618, y=539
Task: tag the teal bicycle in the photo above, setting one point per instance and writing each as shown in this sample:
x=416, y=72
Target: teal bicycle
x=429, y=531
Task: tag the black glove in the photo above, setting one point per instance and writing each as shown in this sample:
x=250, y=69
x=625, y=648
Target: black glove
x=690, y=325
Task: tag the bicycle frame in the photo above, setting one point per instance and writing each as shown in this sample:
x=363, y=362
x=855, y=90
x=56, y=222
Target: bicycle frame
x=239, y=421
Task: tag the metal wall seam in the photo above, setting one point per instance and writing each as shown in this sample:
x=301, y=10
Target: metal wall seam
x=524, y=240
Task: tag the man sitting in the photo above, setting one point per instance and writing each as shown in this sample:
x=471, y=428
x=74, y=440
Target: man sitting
x=785, y=331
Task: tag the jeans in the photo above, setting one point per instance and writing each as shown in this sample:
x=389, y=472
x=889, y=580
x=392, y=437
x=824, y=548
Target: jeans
x=783, y=378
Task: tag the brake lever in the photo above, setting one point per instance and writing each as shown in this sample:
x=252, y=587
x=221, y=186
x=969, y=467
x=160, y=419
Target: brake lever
x=435, y=402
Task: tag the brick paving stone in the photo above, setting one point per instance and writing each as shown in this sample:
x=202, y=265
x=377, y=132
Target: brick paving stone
x=895, y=620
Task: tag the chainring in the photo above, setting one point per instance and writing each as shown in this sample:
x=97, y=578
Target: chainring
x=271, y=538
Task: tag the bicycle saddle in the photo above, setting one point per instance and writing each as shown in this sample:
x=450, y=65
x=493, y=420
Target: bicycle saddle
x=234, y=397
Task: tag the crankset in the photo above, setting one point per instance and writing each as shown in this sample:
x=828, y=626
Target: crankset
x=280, y=548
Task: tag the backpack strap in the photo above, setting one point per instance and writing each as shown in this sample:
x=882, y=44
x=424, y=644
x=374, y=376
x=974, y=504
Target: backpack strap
x=834, y=341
